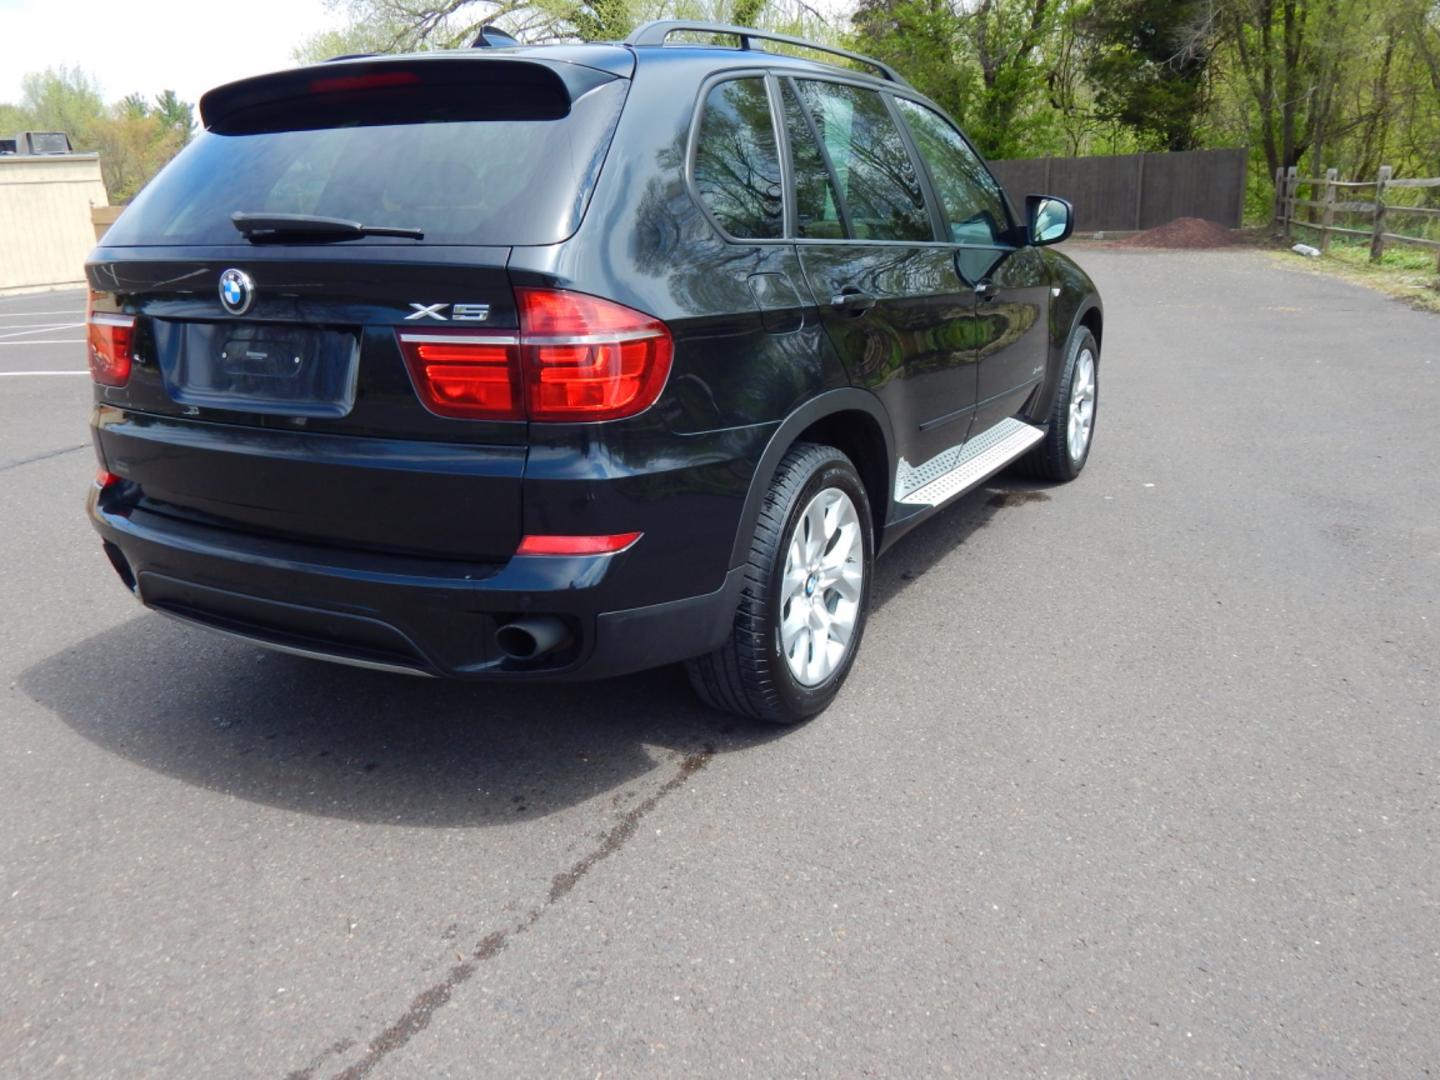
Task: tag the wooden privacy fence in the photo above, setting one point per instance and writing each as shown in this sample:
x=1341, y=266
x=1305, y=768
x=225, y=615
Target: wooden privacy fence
x=1127, y=192
x=1287, y=200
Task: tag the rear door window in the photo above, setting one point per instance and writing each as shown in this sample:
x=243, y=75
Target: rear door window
x=971, y=199
x=518, y=170
x=737, y=162
x=817, y=207
x=876, y=176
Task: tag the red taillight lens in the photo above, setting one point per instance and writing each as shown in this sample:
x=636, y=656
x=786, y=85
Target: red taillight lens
x=468, y=376
x=589, y=359
x=576, y=545
x=109, y=345
x=577, y=357
x=105, y=479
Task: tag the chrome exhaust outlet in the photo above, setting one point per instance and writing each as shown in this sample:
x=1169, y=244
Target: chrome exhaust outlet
x=525, y=639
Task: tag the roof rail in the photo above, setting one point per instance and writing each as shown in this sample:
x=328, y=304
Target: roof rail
x=655, y=33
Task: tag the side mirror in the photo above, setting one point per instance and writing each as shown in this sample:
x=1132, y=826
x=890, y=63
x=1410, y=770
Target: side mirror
x=1049, y=219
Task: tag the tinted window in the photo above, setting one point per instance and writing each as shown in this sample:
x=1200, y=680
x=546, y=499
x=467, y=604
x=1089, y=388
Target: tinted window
x=737, y=165
x=816, y=209
x=876, y=176
x=474, y=181
x=974, y=207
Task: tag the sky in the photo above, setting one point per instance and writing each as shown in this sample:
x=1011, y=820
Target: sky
x=147, y=46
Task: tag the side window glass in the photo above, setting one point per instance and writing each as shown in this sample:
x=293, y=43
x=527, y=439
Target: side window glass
x=816, y=208
x=737, y=165
x=876, y=176
x=974, y=207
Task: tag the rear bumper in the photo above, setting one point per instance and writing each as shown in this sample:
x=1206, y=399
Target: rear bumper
x=422, y=616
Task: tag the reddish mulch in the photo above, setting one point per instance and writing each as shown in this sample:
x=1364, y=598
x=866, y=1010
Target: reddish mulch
x=1185, y=232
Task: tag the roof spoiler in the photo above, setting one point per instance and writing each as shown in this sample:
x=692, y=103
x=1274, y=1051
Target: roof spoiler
x=386, y=89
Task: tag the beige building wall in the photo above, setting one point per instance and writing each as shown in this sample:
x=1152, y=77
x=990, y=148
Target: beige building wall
x=45, y=229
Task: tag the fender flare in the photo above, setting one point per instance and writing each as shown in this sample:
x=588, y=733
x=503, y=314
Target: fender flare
x=1059, y=348
x=843, y=399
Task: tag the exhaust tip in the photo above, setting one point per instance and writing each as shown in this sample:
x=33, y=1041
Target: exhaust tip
x=529, y=638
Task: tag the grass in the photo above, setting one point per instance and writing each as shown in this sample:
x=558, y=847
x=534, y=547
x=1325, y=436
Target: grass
x=1407, y=273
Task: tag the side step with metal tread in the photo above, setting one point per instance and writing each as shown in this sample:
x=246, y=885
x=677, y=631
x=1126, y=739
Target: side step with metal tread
x=960, y=468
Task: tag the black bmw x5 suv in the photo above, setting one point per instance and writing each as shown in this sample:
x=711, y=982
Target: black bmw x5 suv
x=561, y=362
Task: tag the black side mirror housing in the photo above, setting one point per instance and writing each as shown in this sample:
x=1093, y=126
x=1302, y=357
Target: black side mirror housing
x=1048, y=219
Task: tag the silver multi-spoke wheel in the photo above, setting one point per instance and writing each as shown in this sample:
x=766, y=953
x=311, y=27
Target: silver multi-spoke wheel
x=800, y=616
x=822, y=586
x=1082, y=405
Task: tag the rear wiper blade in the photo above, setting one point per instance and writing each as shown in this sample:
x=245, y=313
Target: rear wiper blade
x=257, y=228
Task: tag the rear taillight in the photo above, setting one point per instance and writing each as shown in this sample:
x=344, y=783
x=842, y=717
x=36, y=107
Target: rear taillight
x=465, y=375
x=587, y=358
x=109, y=345
x=577, y=357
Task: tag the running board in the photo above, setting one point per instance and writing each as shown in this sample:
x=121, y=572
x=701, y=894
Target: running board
x=957, y=470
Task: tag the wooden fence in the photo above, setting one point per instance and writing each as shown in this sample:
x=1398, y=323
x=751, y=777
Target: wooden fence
x=1287, y=200
x=1128, y=192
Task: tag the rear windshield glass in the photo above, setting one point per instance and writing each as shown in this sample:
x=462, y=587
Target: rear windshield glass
x=499, y=181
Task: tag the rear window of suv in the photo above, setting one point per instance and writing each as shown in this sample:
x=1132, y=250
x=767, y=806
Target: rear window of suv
x=509, y=173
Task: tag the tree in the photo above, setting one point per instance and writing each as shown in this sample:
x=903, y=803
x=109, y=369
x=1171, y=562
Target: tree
x=922, y=37
x=391, y=26
x=176, y=115
x=1008, y=36
x=982, y=63
x=134, y=137
x=1148, y=67
x=63, y=99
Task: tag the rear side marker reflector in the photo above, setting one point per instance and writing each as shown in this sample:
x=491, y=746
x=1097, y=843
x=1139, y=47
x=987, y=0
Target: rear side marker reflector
x=109, y=341
x=576, y=358
x=104, y=479
x=577, y=545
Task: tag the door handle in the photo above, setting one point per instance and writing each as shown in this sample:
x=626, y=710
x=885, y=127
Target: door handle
x=987, y=291
x=852, y=301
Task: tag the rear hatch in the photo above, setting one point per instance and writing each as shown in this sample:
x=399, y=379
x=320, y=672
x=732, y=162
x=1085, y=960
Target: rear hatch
x=279, y=401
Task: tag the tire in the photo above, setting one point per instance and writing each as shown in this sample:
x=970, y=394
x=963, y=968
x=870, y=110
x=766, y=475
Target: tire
x=1055, y=457
x=754, y=673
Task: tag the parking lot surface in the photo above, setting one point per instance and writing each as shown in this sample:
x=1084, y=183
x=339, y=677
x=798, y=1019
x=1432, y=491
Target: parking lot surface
x=1135, y=776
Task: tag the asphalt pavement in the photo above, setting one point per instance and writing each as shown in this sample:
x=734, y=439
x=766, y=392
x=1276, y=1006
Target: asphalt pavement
x=1135, y=776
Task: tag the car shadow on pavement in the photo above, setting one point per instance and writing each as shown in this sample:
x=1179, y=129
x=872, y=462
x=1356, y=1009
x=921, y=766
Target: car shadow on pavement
x=348, y=743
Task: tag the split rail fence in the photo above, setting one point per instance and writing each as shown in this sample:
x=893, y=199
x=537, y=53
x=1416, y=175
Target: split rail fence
x=1330, y=202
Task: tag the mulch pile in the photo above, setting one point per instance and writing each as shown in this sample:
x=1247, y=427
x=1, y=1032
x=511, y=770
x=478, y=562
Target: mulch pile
x=1185, y=232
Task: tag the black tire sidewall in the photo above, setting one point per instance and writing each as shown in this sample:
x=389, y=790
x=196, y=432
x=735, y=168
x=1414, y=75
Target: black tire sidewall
x=796, y=698
x=1081, y=339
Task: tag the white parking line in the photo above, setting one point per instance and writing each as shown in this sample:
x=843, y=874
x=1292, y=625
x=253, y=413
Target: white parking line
x=27, y=314
x=38, y=328
x=44, y=341
x=15, y=374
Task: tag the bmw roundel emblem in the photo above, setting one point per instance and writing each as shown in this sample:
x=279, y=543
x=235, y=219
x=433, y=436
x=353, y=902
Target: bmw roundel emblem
x=237, y=291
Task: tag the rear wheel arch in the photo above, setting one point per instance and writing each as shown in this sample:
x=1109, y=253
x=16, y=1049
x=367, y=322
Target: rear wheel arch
x=849, y=419
x=1093, y=319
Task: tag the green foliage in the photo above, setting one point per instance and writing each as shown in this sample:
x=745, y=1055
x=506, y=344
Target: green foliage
x=1148, y=67
x=134, y=137
x=1394, y=256
x=63, y=99
x=393, y=26
x=176, y=115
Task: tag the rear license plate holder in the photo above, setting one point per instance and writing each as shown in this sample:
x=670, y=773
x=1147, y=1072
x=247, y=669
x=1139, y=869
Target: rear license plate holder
x=283, y=369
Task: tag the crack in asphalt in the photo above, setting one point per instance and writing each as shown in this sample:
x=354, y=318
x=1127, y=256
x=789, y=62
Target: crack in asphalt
x=417, y=1017
x=42, y=457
